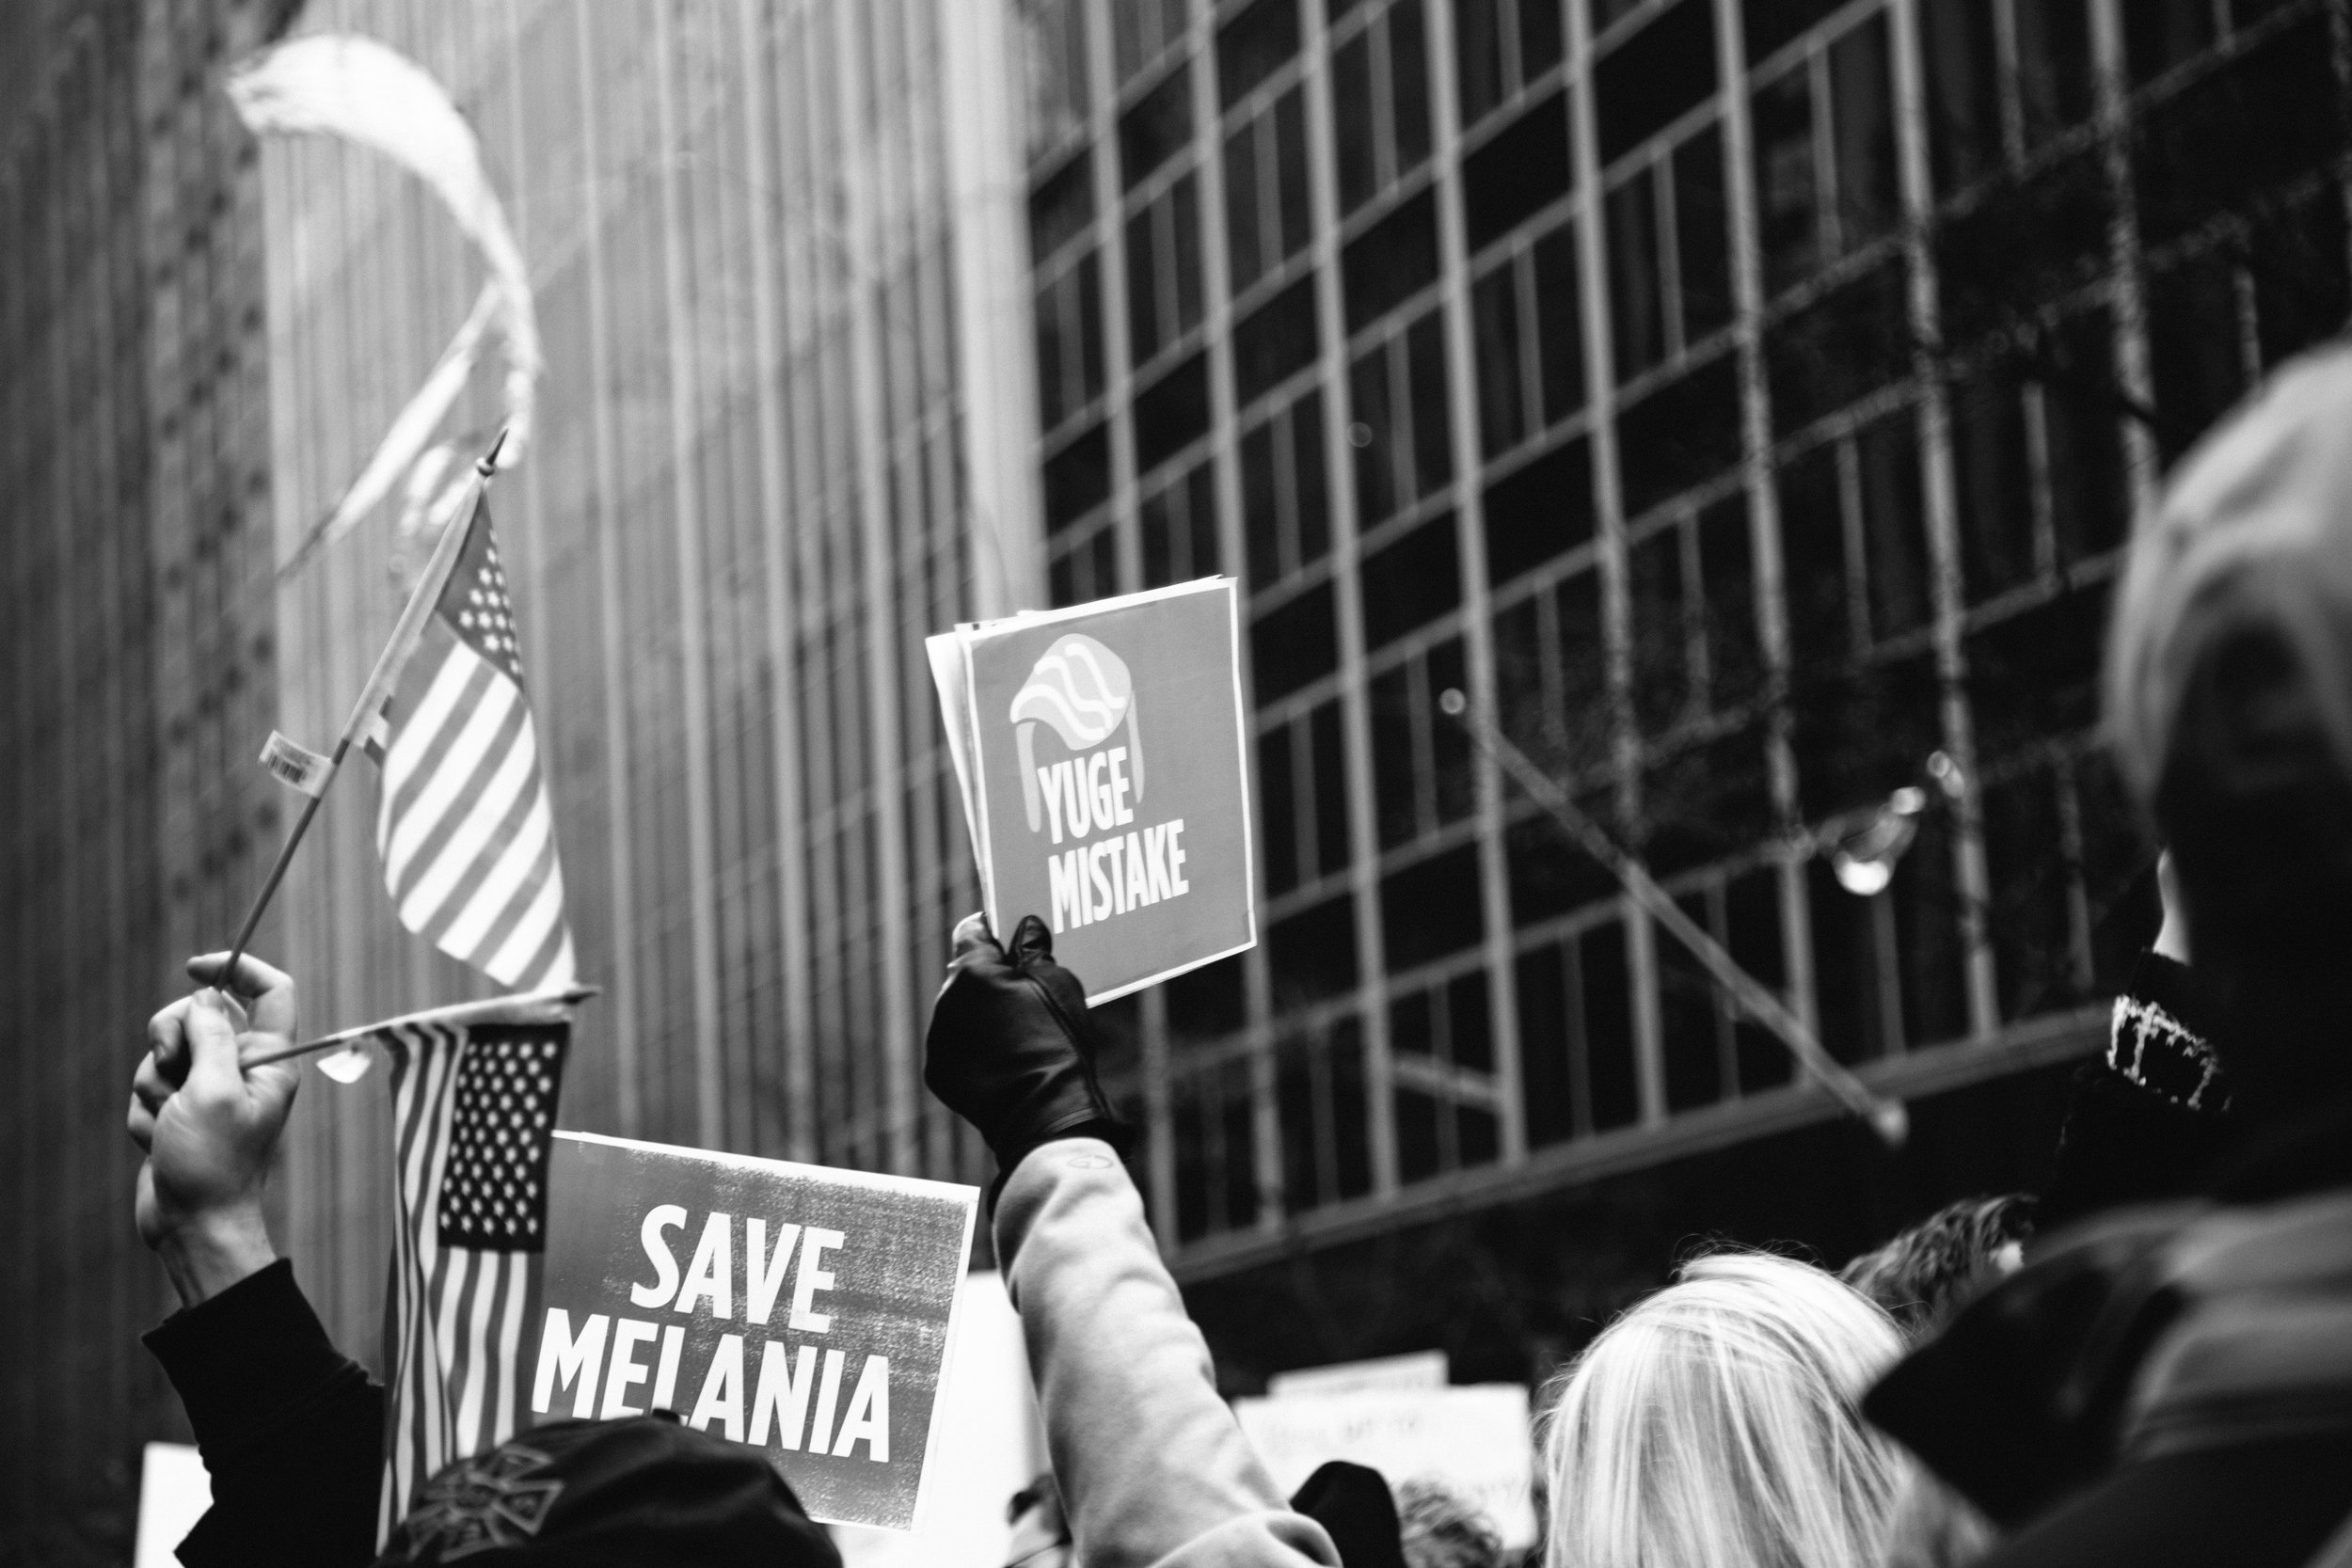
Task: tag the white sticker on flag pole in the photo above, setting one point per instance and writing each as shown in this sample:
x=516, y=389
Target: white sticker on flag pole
x=295, y=766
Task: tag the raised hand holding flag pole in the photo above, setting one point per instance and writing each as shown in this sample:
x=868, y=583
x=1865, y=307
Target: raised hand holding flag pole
x=380, y=684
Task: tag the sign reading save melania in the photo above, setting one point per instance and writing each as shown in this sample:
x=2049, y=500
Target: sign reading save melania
x=1101, y=752
x=795, y=1308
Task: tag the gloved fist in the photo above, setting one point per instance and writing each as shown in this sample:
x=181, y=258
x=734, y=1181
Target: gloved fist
x=1009, y=1048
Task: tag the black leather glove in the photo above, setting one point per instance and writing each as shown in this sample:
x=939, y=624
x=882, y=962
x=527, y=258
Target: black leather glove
x=1010, y=1048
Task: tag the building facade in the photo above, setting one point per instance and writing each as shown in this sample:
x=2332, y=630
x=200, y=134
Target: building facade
x=1744, y=405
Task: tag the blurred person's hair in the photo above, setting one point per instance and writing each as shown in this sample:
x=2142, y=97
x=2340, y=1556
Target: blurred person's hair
x=1923, y=1276
x=1439, y=1528
x=2229, y=693
x=1932, y=1525
x=1714, y=1423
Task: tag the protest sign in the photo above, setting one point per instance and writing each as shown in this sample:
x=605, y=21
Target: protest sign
x=1420, y=1369
x=1473, y=1439
x=795, y=1309
x=175, y=1491
x=1102, y=753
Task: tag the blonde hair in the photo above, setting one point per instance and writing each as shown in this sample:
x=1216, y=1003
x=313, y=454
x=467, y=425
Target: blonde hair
x=1713, y=1426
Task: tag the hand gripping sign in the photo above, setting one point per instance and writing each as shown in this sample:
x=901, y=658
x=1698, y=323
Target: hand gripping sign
x=1142, y=873
x=795, y=1309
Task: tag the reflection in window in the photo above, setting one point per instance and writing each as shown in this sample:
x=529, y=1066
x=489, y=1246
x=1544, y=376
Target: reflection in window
x=1380, y=99
x=1399, y=431
x=1285, y=512
x=1499, y=46
x=1266, y=200
x=1163, y=270
x=1826, y=180
x=1179, y=526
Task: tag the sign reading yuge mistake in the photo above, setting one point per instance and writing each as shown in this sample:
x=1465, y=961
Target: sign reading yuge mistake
x=800, y=1310
x=1101, y=754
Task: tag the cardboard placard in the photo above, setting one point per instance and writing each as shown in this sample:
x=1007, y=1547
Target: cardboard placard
x=1475, y=1439
x=800, y=1310
x=1101, y=750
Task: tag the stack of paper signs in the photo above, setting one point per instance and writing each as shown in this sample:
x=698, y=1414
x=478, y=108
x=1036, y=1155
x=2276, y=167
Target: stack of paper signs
x=1101, y=754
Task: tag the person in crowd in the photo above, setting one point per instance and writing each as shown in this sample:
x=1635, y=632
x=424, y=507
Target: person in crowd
x=291, y=1430
x=1924, y=1274
x=1152, y=1464
x=2172, y=1384
x=1439, y=1528
x=1713, y=1424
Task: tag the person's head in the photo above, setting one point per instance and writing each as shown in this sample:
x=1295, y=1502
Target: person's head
x=1921, y=1276
x=2230, y=708
x=1714, y=1423
x=1439, y=1528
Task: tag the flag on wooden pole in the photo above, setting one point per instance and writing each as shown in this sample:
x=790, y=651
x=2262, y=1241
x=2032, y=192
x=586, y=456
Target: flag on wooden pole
x=473, y=1109
x=465, y=832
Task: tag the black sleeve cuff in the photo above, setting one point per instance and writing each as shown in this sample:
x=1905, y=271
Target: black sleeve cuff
x=2161, y=1036
x=246, y=1357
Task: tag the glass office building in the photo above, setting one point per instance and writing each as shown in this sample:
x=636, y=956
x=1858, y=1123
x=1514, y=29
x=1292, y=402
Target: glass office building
x=1744, y=405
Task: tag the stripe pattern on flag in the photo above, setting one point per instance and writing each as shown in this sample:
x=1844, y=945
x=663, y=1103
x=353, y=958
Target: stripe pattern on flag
x=464, y=830
x=474, y=1115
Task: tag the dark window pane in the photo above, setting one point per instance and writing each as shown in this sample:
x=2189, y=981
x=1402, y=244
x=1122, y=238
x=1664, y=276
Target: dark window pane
x=1769, y=23
x=1546, y=1092
x=1245, y=243
x=1293, y=205
x=2161, y=34
x=1275, y=342
x=1352, y=108
x=1680, y=435
x=1061, y=207
x=1278, y=810
x=1395, y=790
x=1411, y=581
x=1996, y=522
x=1549, y=876
x=1076, y=477
x=1433, y=443
x=1314, y=505
x=2081, y=413
x=1541, y=44
x=1964, y=95
x=1206, y=1003
x=1478, y=56
x=1637, y=306
x=1559, y=324
x=2054, y=69
x=1312, y=953
x=1788, y=183
x=2195, y=350
x=2269, y=115
x=1141, y=30
x=1735, y=656
x=1408, y=85
x=1172, y=411
x=1262, y=522
x=2296, y=257
x=1894, y=530
x=1373, y=434
x=1845, y=346
x=1752, y=907
x=1293, y=645
x=1449, y=743
x=1661, y=634
x=1608, y=988
x=1539, y=512
x=1156, y=128
x=1391, y=261
x=1523, y=168
x=1862, y=126
x=2036, y=673
x=1432, y=908
x=1706, y=801
x=1702, y=234
x=1502, y=385
x=1813, y=566
x=1646, y=82
x=1471, y=1032
x=1145, y=317
x=1583, y=652
x=1254, y=45
x=1329, y=797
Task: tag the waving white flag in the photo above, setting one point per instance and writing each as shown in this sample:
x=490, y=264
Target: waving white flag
x=373, y=96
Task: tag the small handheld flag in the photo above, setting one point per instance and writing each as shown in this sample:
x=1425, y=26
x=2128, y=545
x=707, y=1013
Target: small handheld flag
x=465, y=832
x=473, y=1108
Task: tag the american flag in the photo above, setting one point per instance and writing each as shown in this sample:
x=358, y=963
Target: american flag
x=473, y=1112
x=465, y=833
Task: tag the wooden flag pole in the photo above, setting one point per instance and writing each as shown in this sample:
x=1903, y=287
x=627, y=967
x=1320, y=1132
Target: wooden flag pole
x=388, y=667
x=1886, y=1118
x=538, y=1003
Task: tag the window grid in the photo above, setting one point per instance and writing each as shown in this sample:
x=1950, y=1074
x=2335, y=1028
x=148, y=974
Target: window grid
x=1837, y=538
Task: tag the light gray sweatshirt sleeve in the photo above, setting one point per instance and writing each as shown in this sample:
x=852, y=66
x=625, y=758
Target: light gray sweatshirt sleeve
x=1153, y=1468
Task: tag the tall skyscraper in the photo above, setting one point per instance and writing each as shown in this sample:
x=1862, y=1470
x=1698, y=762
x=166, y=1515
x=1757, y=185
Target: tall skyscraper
x=1744, y=405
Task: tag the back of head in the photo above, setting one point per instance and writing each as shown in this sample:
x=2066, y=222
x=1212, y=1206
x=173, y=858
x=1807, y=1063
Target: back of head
x=2230, y=705
x=1714, y=1424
